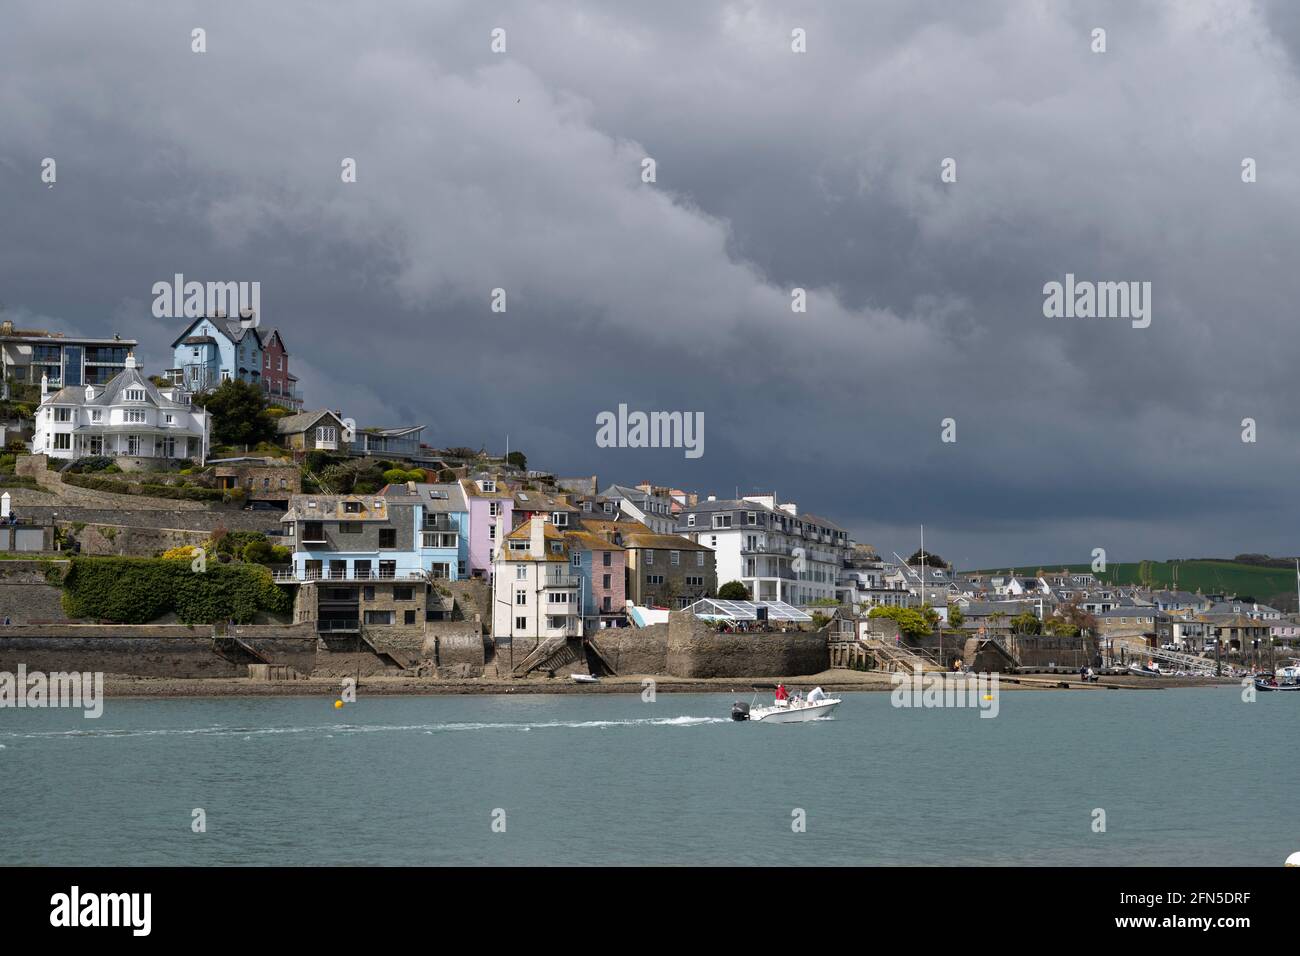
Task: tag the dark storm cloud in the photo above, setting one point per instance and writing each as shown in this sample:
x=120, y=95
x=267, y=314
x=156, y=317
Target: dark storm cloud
x=774, y=170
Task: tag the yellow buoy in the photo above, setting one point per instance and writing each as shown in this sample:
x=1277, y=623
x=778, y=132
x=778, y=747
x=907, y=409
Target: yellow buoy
x=988, y=696
x=338, y=704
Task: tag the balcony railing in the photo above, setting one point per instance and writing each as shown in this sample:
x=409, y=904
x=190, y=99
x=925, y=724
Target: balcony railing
x=768, y=548
x=560, y=581
x=339, y=624
x=438, y=523
x=348, y=574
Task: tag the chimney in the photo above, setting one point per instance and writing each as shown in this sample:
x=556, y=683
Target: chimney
x=130, y=360
x=45, y=385
x=537, y=537
x=410, y=487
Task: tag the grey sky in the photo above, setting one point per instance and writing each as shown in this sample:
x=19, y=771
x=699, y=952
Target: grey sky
x=775, y=170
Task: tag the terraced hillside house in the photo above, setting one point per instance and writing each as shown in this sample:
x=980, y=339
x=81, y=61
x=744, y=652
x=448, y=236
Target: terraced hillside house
x=602, y=565
x=653, y=511
x=214, y=349
x=663, y=570
x=279, y=385
x=352, y=538
x=128, y=418
x=64, y=361
x=667, y=570
x=491, y=515
x=319, y=430
x=441, y=514
x=554, y=508
x=536, y=593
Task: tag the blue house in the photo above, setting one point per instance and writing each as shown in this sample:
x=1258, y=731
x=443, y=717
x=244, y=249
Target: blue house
x=441, y=532
x=214, y=350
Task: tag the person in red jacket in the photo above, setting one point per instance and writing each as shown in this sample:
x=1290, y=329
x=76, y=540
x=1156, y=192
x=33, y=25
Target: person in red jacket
x=780, y=692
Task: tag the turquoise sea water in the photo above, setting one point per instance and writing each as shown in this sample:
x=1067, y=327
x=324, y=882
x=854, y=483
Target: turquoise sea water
x=1185, y=777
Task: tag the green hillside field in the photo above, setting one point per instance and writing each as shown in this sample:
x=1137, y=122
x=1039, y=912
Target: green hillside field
x=1210, y=577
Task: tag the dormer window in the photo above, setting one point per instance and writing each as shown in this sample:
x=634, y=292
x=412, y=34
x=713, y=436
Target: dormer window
x=488, y=484
x=135, y=394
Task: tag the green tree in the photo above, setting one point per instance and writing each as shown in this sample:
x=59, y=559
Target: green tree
x=258, y=552
x=518, y=459
x=239, y=415
x=932, y=560
x=911, y=622
x=931, y=616
x=955, y=617
x=1026, y=622
x=1059, y=627
x=733, y=591
x=1078, y=618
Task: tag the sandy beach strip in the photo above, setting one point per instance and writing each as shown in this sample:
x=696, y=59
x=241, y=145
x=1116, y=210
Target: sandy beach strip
x=837, y=681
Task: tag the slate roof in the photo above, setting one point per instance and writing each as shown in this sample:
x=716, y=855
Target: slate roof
x=452, y=503
x=291, y=424
x=110, y=393
x=233, y=329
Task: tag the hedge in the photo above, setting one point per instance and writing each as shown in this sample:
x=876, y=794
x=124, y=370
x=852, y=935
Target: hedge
x=140, y=590
x=187, y=493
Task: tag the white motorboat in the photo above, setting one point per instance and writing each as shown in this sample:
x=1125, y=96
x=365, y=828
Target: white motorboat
x=795, y=710
x=1152, y=669
x=584, y=679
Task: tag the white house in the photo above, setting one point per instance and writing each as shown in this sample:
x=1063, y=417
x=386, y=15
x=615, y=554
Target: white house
x=777, y=553
x=126, y=417
x=538, y=594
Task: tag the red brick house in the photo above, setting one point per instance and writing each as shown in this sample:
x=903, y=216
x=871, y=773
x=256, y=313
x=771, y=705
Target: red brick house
x=279, y=384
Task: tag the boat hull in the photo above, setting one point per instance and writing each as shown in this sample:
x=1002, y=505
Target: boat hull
x=795, y=715
x=1260, y=685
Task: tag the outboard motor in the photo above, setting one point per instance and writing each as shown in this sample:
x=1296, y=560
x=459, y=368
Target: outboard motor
x=739, y=711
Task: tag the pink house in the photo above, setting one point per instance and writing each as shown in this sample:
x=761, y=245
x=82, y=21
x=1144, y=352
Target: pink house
x=602, y=566
x=491, y=505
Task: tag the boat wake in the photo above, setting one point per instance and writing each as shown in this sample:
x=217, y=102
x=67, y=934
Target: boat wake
x=331, y=730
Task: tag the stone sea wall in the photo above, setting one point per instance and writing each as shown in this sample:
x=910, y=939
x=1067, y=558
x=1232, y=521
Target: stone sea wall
x=161, y=650
x=695, y=650
x=634, y=650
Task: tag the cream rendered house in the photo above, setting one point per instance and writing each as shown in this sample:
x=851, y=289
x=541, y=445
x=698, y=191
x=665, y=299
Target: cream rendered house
x=536, y=592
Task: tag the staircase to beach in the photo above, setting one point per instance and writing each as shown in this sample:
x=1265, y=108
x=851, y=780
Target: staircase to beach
x=551, y=653
x=900, y=657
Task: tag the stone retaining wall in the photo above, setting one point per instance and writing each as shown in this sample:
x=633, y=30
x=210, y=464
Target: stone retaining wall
x=695, y=650
x=634, y=650
x=152, y=650
x=26, y=596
